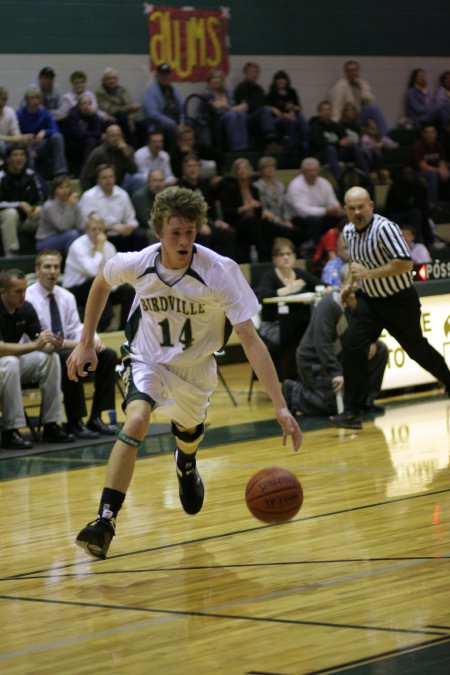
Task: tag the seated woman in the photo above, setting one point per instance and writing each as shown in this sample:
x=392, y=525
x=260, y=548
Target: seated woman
x=242, y=210
x=61, y=221
x=419, y=104
x=284, y=279
x=231, y=118
x=442, y=98
x=272, y=196
x=285, y=104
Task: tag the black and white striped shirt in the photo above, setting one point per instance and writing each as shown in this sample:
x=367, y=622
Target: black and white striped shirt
x=374, y=246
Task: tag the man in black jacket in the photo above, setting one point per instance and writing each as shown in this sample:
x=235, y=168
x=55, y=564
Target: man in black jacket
x=21, y=196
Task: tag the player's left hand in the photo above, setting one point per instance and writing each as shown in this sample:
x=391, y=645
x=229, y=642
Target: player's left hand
x=290, y=427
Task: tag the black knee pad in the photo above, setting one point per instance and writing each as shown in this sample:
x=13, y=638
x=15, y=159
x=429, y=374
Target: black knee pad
x=188, y=438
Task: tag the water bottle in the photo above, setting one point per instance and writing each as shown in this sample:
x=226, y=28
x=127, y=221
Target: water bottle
x=254, y=257
x=335, y=277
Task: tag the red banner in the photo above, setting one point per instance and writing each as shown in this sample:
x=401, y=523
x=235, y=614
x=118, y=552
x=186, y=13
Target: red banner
x=191, y=41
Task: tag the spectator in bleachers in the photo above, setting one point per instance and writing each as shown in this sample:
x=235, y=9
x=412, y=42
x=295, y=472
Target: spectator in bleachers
x=114, y=207
x=85, y=259
x=231, y=119
x=272, y=195
x=331, y=273
x=60, y=221
x=216, y=233
x=50, y=91
x=419, y=103
x=162, y=106
x=407, y=202
x=113, y=151
x=212, y=160
x=419, y=252
x=24, y=361
x=117, y=102
x=82, y=130
x=428, y=160
x=372, y=145
x=282, y=280
x=78, y=80
x=353, y=89
x=21, y=198
x=9, y=125
x=315, y=206
x=57, y=306
x=331, y=145
x=286, y=106
x=242, y=210
x=149, y=157
x=144, y=198
x=442, y=98
x=262, y=120
x=47, y=140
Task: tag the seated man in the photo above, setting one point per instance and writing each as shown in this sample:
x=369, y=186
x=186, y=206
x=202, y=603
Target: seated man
x=148, y=158
x=22, y=362
x=9, y=125
x=216, y=233
x=319, y=359
x=112, y=151
x=330, y=144
x=162, y=106
x=51, y=92
x=212, y=160
x=144, y=198
x=314, y=205
x=114, y=207
x=21, y=197
x=260, y=115
x=117, y=102
x=57, y=312
x=86, y=257
x=353, y=89
x=47, y=140
x=82, y=130
x=428, y=160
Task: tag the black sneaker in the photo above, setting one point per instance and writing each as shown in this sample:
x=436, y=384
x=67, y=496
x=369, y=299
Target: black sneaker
x=96, y=537
x=190, y=488
x=346, y=420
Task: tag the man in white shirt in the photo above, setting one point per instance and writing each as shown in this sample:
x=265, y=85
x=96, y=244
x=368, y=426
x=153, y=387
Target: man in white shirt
x=86, y=257
x=9, y=125
x=114, y=207
x=353, y=89
x=42, y=295
x=313, y=202
x=150, y=157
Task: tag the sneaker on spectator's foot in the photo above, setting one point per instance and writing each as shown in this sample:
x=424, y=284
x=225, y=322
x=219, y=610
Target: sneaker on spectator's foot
x=190, y=488
x=346, y=420
x=96, y=537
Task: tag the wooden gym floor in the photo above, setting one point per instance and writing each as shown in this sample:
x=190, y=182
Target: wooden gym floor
x=357, y=582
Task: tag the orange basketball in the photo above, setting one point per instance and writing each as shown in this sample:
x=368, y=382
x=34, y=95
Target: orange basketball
x=274, y=495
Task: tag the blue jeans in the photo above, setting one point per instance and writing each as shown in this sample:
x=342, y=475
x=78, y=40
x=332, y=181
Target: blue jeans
x=235, y=124
x=60, y=241
x=54, y=146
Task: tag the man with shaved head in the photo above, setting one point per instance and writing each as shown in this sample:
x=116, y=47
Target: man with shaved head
x=380, y=260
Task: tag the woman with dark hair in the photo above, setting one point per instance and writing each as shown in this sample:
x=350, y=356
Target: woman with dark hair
x=285, y=104
x=442, y=98
x=419, y=104
x=61, y=220
x=231, y=118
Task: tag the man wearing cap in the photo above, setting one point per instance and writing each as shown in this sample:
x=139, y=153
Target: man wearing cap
x=162, y=106
x=52, y=96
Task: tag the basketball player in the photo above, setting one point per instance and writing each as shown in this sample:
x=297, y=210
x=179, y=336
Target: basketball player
x=187, y=299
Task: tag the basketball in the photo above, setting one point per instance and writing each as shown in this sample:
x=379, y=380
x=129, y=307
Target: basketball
x=274, y=495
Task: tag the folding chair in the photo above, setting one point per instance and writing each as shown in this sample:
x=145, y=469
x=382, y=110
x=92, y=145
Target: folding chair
x=219, y=356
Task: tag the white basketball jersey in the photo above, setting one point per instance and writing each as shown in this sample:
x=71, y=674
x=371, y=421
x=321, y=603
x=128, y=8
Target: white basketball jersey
x=185, y=322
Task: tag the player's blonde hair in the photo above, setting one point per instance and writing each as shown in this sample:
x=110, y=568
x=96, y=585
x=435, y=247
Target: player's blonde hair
x=181, y=202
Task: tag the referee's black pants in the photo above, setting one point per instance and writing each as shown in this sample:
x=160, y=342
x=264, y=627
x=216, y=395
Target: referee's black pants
x=104, y=381
x=400, y=315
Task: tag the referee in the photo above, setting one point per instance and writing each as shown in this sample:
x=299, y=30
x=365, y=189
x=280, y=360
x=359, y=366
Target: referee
x=380, y=259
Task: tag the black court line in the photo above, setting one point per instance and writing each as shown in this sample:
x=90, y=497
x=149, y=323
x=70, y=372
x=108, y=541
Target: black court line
x=218, y=615
x=439, y=627
x=192, y=568
x=233, y=533
x=374, y=659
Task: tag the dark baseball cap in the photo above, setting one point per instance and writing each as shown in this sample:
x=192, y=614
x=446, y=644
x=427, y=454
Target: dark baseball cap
x=47, y=72
x=164, y=68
